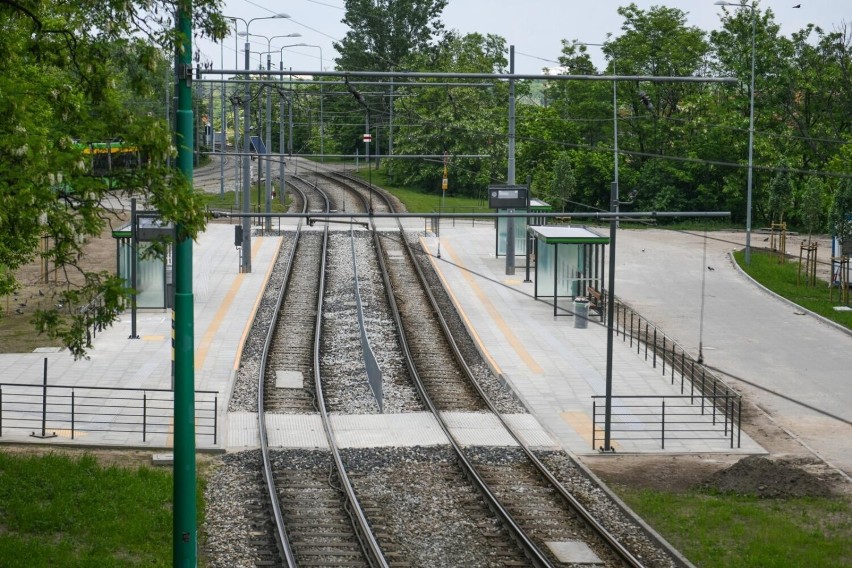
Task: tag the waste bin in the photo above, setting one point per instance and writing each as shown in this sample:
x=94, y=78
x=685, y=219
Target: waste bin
x=581, y=313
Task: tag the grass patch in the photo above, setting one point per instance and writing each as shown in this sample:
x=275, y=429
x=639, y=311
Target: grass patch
x=417, y=201
x=714, y=530
x=58, y=510
x=783, y=280
x=227, y=203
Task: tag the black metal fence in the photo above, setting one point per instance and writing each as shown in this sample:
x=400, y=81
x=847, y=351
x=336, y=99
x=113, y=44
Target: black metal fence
x=46, y=411
x=697, y=384
x=672, y=417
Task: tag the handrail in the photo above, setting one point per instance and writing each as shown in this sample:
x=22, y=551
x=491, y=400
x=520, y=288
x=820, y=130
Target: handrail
x=77, y=409
x=657, y=419
x=629, y=326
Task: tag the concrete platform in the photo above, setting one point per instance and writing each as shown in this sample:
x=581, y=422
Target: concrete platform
x=385, y=430
x=225, y=302
x=553, y=367
x=798, y=372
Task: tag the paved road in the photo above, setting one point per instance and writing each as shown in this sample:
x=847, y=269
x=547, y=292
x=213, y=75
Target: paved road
x=794, y=366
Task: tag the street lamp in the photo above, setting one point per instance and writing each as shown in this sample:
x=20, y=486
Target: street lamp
x=237, y=163
x=246, y=222
x=268, y=198
x=750, y=128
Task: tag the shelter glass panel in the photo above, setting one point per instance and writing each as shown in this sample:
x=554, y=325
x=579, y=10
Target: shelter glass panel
x=150, y=275
x=520, y=233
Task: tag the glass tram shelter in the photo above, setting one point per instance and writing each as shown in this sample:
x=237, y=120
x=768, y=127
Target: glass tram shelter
x=569, y=262
x=521, y=224
x=153, y=272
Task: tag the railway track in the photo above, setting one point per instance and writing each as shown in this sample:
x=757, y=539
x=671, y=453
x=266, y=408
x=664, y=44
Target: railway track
x=449, y=505
x=546, y=520
x=317, y=520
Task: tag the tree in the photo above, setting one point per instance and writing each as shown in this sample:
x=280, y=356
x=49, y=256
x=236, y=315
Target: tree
x=780, y=192
x=384, y=33
x=840, y=215
x=70, y=73
x=564, y=183
x=657, y=42
x=457, y=120
x=811, y=205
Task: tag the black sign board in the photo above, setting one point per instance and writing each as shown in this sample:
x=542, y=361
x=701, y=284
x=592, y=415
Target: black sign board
x=152, y=229
x=507, y=196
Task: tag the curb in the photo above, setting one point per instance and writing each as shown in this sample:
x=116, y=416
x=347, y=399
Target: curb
x=815, y=315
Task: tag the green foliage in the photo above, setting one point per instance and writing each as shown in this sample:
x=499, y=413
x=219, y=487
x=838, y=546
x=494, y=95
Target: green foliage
x=730, y=530
x=93, y=72
x=787, y=281
x=384, y=34
x=841, y=208
x=561, y=183
x=457, y=120
x=811, y=205
x=423, y=201
x=62, y=511
x=683, y=145
x=780, y=192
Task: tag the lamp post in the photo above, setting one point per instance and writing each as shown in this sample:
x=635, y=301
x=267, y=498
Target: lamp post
x=223, y=125
x=246, y=222
x=268, y=163
x=750, y=127
x=184, y=522
x=237, y=163
x=610, y=302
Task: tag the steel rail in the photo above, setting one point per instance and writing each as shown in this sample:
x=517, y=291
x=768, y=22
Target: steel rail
x=284, y=547
x=369, y=544
x=530, y=549
x=584, y=513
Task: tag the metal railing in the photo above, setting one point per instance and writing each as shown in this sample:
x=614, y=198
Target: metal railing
x=432, y=222
x=75, y=411
x=695, y=381
x=673, y=360
x=670, y=417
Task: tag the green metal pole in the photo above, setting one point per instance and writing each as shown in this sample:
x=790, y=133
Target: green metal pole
x=185, y=532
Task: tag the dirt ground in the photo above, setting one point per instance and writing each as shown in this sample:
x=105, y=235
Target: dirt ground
x=39, y=288
x=131, y=459
x=788, y=470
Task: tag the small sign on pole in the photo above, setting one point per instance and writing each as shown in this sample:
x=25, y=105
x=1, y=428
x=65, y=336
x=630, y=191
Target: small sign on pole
x=444, y=180
x=367, y=138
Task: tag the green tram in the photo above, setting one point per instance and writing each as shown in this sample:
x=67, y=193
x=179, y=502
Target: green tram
x=106, y=159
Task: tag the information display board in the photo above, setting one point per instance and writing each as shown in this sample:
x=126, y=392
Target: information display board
x=507, y=196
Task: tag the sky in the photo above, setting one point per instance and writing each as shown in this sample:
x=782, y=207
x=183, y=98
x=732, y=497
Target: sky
x=535, y=27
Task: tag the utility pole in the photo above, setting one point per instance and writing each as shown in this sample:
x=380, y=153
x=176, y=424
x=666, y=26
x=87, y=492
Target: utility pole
x=510, y=178
x=185, y=530
x=246, y=221
x=268, y=199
